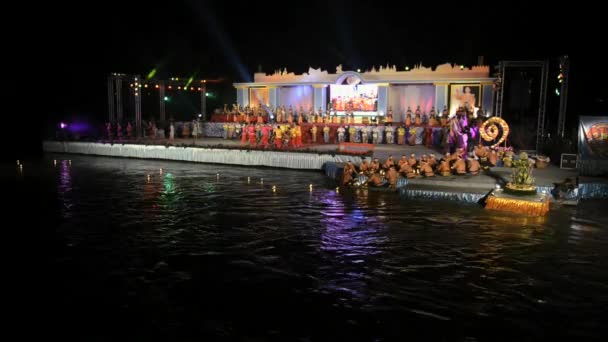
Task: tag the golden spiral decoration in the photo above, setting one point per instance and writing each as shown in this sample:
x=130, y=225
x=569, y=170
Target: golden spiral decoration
x=489, y=130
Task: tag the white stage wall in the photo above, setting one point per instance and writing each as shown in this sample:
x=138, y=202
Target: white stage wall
x=412, y=95
x=296, y=96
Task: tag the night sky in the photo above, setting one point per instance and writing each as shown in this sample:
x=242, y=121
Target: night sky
x=72, y=48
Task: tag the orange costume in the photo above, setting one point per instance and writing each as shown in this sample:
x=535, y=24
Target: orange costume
x=493, y=157
x=407, y=170
x=473, y=166
x=349, y=168
x=375, y=166
x=392, y=177
x=426, y=169
x=412, y=160
x=444, y=168
x=364, y=166
x=402, y=161
x=388, y=163
x=460, y=166
x=375, y=179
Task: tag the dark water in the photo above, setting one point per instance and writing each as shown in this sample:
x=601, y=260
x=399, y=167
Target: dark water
x=188, y=256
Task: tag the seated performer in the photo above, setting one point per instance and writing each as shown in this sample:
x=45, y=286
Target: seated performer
x=432, y=161
x=388, y=163
x=473, y=165
x=364, y=166
x=375, y=165
x=406, y=170
x=347, y=173
x=444, y=168
x=426, y=169
x=492, y=157
x=376, y=180
x=459, y=166
x=412, y=160
x=402, y=161
x=392, y=177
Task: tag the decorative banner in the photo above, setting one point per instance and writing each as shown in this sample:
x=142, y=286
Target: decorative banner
x=593, y=137
x=593, y=145
x=489, y=130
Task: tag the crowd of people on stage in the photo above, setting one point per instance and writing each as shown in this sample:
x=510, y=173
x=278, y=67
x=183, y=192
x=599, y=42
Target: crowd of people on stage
x=282, y=127
x=150, y=129
x=387, y=173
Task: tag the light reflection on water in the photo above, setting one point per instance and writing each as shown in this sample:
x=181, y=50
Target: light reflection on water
x=365, y=263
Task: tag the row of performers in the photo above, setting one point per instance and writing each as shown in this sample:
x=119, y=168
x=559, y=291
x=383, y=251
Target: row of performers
x=373, y=134
x=281, y=115
x=427, y=166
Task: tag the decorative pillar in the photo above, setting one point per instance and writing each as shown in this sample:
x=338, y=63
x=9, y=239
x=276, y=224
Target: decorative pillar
x=319, y=96
x=382, y=107
x=273, y=96
x=137, y=94
x=204, y=99
x=441, y=96
x=242, y=95
x=487, y=97
x=111, y=97
x=161, y=102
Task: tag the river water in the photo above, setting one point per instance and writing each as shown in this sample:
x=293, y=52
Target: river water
x=208, y=252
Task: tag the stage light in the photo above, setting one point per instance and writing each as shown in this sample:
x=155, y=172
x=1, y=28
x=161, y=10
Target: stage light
x=63, y=125
x=179, y=87
x=207, y=94
x=199, y=88
x=200, y=115
x=136, y=94
x=146, y=86
x=156, y=86
x=136, y=84
x=136, y=79
x=131, y=85
x=358, y=70
x=557, y=92
x=177, y=79
x=248, y=180
x=204, y=81
x=407, y=68
x=166, y=98
x=140, y=85
x=461, y=67
x=192, y=88
x=170, y=87
x=274, y=188
x=497, y=186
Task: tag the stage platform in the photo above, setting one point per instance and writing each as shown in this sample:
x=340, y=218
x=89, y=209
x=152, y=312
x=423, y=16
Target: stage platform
x=318, y=157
